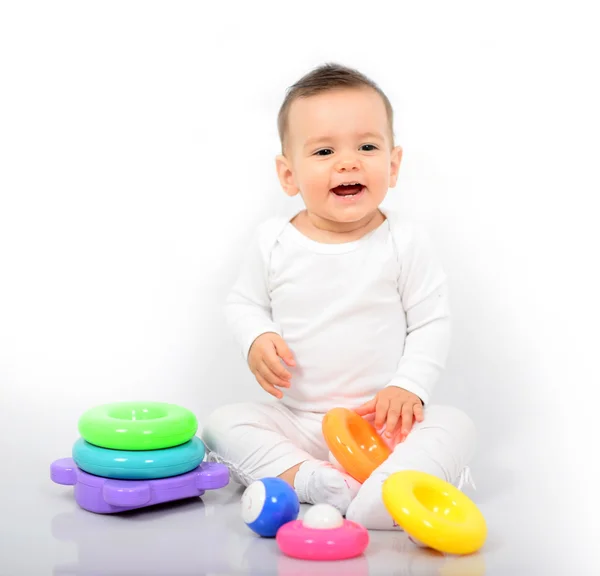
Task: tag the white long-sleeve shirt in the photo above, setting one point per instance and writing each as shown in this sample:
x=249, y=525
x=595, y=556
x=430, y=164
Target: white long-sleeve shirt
x=358, y=316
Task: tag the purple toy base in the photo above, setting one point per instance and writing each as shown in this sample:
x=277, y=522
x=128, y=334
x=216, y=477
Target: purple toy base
x=108, y=496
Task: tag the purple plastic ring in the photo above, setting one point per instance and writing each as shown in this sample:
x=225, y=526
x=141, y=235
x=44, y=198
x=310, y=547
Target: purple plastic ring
x=108, y=496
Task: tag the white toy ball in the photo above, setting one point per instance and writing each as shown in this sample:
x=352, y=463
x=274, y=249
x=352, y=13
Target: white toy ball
x=253, y=501
x=323, y=517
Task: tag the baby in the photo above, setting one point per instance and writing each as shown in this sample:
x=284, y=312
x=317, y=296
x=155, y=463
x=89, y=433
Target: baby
x=344, y=304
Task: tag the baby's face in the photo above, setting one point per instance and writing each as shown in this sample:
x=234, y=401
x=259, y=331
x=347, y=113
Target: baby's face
x=334, y=138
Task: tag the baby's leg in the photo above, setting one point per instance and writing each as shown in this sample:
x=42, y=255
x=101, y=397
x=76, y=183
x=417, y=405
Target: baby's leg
x=442, y=445
x=269, y=440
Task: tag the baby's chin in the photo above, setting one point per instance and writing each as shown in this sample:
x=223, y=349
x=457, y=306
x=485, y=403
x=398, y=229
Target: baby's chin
x=353, y=215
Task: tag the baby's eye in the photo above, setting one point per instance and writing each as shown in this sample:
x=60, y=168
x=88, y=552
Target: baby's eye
x=318, y=152
x=370, y=146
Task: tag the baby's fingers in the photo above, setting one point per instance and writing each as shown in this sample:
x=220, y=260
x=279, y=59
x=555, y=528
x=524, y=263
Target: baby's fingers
x=419, y=417
x=268, y=387
x=284, y=352
x=381, y=410
x=274, y=365
x=366, y=408
x=393, y=415
x=407, y=420
x=271, y=377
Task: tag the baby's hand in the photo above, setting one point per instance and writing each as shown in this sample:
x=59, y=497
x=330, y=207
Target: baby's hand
x=393, y=405
x=264, y=362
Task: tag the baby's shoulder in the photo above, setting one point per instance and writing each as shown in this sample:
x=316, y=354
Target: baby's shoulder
x=413, y=244
x=404, y=230
x=269, y=230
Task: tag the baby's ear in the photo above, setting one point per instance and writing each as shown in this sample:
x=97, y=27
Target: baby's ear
x=395, y=160
x=286, y=176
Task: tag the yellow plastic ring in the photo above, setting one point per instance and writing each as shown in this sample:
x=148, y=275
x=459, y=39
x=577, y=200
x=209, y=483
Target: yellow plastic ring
x=434, y=512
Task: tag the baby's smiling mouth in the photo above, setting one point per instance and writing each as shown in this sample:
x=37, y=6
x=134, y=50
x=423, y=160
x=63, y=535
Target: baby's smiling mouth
x=349, y=189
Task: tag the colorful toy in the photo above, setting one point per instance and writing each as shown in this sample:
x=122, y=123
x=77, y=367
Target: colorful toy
x=107, y=495
x=109, y=479
x=354, y=443
x=323, y=534
x=434, y=513
x=138, y=464
x=137, y=425
x=166, y=544
x=268, y=504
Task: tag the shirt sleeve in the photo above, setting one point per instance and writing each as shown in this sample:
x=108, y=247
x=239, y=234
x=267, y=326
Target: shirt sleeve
x=423, y=289
x=248, y=304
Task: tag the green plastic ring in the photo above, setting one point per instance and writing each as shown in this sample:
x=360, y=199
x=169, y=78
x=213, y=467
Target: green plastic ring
x=137, y=425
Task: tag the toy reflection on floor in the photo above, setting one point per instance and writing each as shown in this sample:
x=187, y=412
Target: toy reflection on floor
x=402, y=558
x=137, y=454
x=260, y=556
x=169, y=539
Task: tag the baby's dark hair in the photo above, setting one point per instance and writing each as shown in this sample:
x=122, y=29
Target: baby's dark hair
x=327, y=77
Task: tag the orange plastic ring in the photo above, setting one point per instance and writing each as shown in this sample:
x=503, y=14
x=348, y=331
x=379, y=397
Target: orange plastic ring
x=354, y=443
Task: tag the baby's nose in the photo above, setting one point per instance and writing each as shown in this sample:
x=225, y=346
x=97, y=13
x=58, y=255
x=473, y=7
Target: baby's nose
x=346, y=164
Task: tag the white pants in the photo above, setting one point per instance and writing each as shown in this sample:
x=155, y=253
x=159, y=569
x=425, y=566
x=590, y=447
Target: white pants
x=259, y=440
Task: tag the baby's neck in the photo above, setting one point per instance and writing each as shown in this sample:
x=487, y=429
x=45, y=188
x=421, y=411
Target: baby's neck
x=331, y=232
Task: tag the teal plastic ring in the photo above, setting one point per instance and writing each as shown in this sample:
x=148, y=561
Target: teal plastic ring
x=138, y=464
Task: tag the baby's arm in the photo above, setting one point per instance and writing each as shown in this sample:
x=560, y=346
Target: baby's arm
x=423, y=291
x=248, y=314
x=248, y=306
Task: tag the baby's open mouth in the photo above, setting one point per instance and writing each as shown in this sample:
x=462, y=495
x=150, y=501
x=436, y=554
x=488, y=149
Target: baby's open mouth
x=347, y=189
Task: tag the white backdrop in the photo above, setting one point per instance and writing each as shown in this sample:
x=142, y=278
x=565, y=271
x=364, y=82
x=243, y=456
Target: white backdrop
x=137, y=146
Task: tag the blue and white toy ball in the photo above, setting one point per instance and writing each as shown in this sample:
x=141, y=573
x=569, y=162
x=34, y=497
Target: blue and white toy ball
x=268, y=504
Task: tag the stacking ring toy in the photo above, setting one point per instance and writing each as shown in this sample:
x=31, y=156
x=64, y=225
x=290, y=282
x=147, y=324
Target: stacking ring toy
x=110, y=496
x=138, y=464
x=354, y=443
x=322, y=535
x=137, y=425
x=434, y=512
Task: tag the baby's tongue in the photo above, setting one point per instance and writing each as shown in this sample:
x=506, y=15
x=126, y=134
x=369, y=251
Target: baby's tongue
x=345, y=190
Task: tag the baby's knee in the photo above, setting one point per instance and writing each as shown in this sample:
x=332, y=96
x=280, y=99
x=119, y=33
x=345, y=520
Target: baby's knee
x=219, y=427
x=454, y=420
x=449, y=414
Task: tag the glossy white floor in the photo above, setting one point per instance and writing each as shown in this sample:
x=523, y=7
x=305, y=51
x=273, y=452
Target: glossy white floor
x=43, y=531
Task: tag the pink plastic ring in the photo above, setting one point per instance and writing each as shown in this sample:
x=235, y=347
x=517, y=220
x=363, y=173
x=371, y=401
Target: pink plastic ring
x=298, y=541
